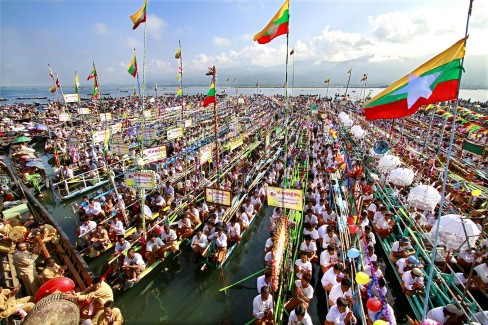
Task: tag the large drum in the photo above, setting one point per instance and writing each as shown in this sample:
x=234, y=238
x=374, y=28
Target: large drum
x=54, y=309
x=61, y=284
x=17, y=234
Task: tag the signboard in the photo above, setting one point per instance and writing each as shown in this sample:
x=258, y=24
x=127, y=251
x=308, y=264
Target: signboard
x=99, y=136
x=188, y=123
x=71, y=98
x=141, y=179
x=119, y=148
x=105, y=117
x=174, y=133
x=234, y=144
x=154, y=154
x=285, y=197
x=315, y=109
x=216, y=196
x=473, y=147
x=149, y=134
x=63, y=117
x=83, y=110
x=116, y=128
x=205, y=154
x=147, y=113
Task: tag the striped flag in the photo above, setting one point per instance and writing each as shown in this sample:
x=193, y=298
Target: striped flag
x=140, y=16
x=77, y=82
x=132, y=68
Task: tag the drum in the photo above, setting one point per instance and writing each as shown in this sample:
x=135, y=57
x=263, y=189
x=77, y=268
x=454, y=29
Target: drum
x=53, y=309
x=17, y=234
x=61, y=284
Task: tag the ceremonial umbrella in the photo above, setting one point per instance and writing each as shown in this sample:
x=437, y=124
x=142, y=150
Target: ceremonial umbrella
x=455, y=231
x=40, y=127
x=424, y=197
x=388, y=163
x=22, y=139
x=401, y=176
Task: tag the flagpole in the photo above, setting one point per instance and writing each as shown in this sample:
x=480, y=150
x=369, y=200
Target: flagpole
x=348, y=80
x=216, y=129
x=285, y=181
x=54, y=81
x=61, y=88
x=365, y=83
x=446, y=173
x=182, y=110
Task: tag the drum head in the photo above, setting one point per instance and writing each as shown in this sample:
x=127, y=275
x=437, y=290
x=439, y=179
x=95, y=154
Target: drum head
x=17, y=233
x=53, y=310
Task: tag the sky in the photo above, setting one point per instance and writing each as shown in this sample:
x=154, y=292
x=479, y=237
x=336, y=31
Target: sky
x=384, y=39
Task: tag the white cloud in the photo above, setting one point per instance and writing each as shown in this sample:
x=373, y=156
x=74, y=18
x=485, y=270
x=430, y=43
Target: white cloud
x=220, y=41
x=132, y=42
x=102, y=29
x=156, y=26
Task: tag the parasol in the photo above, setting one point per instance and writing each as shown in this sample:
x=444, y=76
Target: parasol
x=22, y=139
x=424, y=197
x=401, y=176
x=388, y=162
x=40, y=127
x=453, y=230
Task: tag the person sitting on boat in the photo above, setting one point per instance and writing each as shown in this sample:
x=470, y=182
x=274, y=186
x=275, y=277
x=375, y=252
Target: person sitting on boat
x=340, y=314
x=68, y=172
x=100, y=239
x=413, y=282
x=401, y=248
x=300, y=316
x=233, y=231
x=445, y=314
x=98, y=293
x=154, y=249
x=133, y=265
x=203, y=209
x=199, y=243
x=481, y=274
x=250, y=211
x=157, y=202
x=110, y=316
x=265, y=280
x=303, y=293
x=382, y=315
x=83, y=206
x=341, y=290
x=24, y=261
x=193, y=214
x=116, y=226
x=209, y=230
x=373, y=207
x=184, y=228
x=331, y=238
x=311, y=219
x=328, y=258
x=95, y=209
x=220, y=245
x=121, y=246
x=368, y=269
x=431, y=217
x=309, y=247
x=108, y=207
x=169, y=239
x=263, y=307
x=329, y=217
x=332, y=277
x=406, y=264
x=169, y=192
x=137, y=234
x=256, y=201
x=268, y=246
x=10, y=305
x=384, y=225
x=308, y=229
x=48, y=232
x=303, y=266
x=243, y=218
x=52, y=270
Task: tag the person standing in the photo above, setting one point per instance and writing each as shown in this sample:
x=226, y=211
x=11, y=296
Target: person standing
x=24, y=262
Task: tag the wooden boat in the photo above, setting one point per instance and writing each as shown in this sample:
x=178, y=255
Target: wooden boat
x=23, y=156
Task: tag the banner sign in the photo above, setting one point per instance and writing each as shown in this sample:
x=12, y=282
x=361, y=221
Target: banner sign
x=473, y=147
x=174, y=133
x=315, y=109
x=234, y=144
x=216, y=196
x=188, y=123
x=154, y=154
x=71, y=98
x=147, y=113
x=99, y=136
x=63, y=117
x=119, y=148
x=205, y=154
x=173, y=109
x=83, y=110
x=105, y=117
x=141, y=179
x=149, y=134
x=116, y=128
x=285, y=197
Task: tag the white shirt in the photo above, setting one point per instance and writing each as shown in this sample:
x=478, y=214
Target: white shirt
x=308, y=248
x=133, y=261
x=118, y=227
x=244, y=219
x=326, y=259
x=234, y=230
x=308, y=291
x=293, y=320
x=221, y=240
x=259, y=306
x=333, y=241
x=120, y=248
x=306, y=267
x=269, y=243
x=459, y=279
x=150, y=244
x=336, y=292
x=202, y=241
x=335, y=316
x=401, y=263
x=398, y=249
x=261, y=283
x=482, y=271
x=329, y=277
x=314, y=233
x=437, y=314
x=86, y=228
x=170, y=237
x=410, y=281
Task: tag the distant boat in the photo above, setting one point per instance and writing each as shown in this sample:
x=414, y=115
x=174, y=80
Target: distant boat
x=107, y=94
x=3, y=99
x=124, y=91
x=31, y=98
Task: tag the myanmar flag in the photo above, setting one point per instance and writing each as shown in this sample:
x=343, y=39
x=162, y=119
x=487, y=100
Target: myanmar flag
x=178, y=54
x=53, y=89
x=140, y=16
x=132, y=68
x=435, y=81
x=95, y=90
x=93, y=74
x=179, y=91
x=210, y=99
x=77, y=83
x=276, y=27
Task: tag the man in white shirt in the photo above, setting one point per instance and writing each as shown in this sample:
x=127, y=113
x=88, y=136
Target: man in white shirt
x=406, y=264
x=341, y=290
x=481, y=274
x=413, y=282
x=265, y=280
x=94, y=209
x=443, y=313
x=400, y=249
x=154, y=249
x=328, y=258
x=169, y=239
x=220, y=246
x=121, y=245
x=303, y=266
x=262, y=307
x=330, y=278
x=199, y=243
x=299, y=316
x=309, y=247
x=303, y=293
x=233, y=231
x=339, y=314
x=133, y=265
